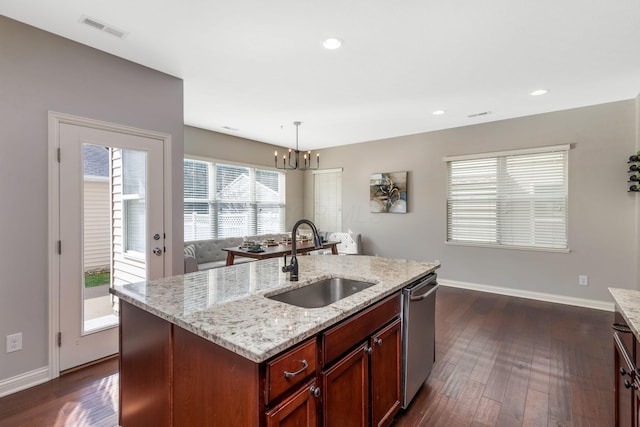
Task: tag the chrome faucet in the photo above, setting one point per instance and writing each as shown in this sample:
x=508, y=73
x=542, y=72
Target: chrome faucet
x=292, y=268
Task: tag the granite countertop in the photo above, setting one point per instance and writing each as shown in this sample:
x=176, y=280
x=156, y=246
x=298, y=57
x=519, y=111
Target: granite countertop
x=628, y=301
x=227, y=305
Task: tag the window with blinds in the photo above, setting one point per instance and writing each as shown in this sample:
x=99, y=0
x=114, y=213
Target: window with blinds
x=510, y=199
x=225, y=200
x=327, y=212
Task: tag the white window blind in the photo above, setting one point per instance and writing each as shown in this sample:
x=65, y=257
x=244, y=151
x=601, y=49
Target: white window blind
x=327, y=213
x=224, y=200
x=516, y=199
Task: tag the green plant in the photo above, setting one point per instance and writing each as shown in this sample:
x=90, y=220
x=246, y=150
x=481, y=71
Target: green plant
x=97, y=279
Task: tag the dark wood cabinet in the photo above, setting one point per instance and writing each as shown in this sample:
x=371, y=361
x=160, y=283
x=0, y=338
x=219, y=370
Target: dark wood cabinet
x=290, y=369
x=363, y=388
x=626, y=375
x=625, y=413
x=300, y=409
x=145, y=368
x=346, y=390
x=386, y=364
x=347, y=375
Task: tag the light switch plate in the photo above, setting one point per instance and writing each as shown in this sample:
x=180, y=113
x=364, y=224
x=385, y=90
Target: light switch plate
x=583, y=280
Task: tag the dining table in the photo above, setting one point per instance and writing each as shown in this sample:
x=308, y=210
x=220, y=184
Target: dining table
x=277, y=250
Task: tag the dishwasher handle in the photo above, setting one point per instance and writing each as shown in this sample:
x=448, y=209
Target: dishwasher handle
x=420, y=297
x=432, y=284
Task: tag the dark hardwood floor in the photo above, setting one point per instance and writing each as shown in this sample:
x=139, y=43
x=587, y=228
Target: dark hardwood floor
x=504, y=361
x=87, y=397
x=500, y=361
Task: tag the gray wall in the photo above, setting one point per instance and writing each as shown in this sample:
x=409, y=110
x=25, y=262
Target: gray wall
x=602, y=228
x=214, y=145
x=42, y=72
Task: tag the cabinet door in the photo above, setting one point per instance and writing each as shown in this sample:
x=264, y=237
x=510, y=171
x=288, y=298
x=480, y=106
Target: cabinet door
x=624, y=397
x=636, y=403
x=345, y=387
x=385, y=374
x=299, y=410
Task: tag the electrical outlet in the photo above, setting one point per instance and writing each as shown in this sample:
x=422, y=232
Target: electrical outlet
x=14, y=342
x=583, y=280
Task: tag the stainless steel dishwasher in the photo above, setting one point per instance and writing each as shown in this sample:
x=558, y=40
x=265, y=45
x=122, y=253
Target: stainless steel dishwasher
x=418, y=334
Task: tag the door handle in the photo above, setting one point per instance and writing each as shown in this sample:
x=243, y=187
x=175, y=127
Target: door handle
x=157, y=251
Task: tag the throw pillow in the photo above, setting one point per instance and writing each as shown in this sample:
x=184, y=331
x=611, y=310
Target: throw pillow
x=190, y=251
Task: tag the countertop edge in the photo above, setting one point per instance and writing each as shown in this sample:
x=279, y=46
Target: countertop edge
x=278, y=348
x=630, y=310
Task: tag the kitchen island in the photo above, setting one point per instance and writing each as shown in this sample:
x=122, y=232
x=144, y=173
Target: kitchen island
x=208, y=348
x=626, y=332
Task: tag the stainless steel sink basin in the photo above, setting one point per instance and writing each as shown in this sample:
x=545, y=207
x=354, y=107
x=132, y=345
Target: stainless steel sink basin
x=322, y=293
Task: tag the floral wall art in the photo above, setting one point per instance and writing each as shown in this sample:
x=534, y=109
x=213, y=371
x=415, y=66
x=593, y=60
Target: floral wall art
x=388, y=192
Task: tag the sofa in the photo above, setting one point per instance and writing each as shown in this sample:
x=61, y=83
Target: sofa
x=205, y=254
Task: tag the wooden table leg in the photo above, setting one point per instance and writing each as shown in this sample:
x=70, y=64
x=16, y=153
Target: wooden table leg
x=334, y=250
x=230, y=258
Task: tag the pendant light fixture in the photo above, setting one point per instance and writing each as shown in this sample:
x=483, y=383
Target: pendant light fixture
x=289, y=164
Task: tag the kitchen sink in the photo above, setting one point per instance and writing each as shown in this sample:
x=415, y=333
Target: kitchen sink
x=322, y=293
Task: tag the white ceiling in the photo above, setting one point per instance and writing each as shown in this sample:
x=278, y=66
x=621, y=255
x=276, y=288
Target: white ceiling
x=258, y=65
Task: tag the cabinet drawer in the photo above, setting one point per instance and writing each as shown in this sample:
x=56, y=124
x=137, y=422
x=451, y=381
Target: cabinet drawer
x=290, y=369
x=624, y=334
x=338, y=340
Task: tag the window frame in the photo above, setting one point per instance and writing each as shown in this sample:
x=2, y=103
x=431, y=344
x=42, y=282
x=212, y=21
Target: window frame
x=498, y=155
x=338, y=205
x=126, y=198
x=213, y=204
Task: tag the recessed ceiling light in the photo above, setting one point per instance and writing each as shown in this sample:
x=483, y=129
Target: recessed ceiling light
x=332, y=43
x=439, y=112
x=538, y=92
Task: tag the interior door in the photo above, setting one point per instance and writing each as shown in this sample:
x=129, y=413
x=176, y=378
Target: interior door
x=111, y=232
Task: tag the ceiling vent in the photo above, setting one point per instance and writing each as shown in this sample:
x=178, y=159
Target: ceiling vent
x=484, y=113
x=94, y=23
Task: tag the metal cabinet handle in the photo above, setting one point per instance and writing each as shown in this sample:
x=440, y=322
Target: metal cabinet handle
x=368, y=350
x=377, y=341
x=624, y=372
x=621, y=328
x=629, y=384
x=288, y=374
x=315, y=391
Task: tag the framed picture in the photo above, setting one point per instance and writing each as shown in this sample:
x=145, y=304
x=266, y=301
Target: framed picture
x=388, y=192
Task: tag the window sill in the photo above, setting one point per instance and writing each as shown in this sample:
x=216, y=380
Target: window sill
x=517, y=248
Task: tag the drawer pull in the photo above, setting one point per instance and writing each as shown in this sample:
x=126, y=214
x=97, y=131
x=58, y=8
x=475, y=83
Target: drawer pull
x=377, y=341
x=629, y=385
x=624, y=372
x=621, y=328
x=288, y=374
x=315, y=391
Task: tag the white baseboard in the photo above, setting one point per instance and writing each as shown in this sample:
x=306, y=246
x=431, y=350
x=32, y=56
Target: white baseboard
x=540, y=296
x=22, y=381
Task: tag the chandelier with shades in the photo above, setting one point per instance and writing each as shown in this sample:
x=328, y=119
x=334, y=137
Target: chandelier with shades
x=289, y=164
